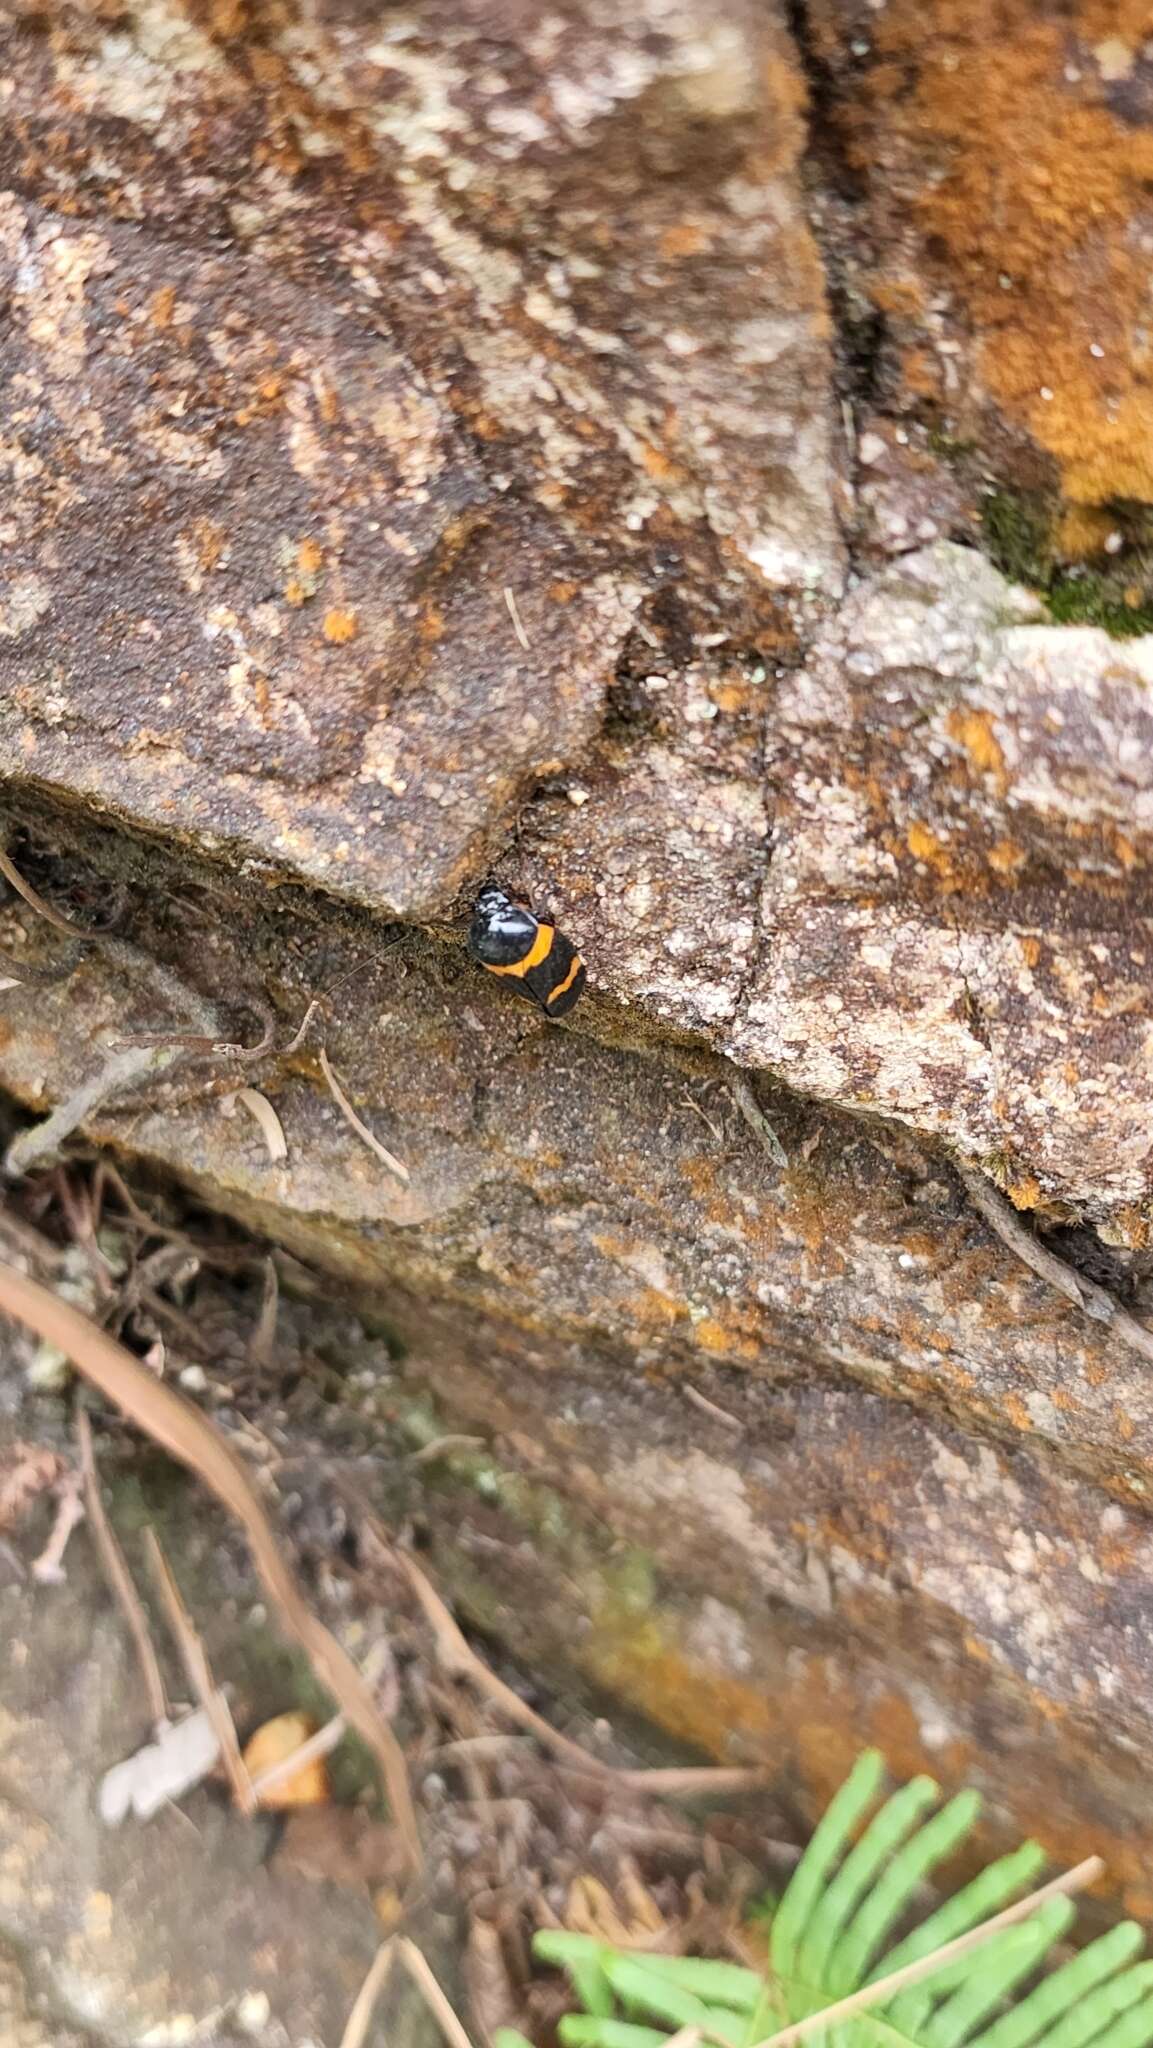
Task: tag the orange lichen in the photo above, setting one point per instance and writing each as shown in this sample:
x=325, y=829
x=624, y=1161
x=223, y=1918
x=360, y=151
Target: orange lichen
x=1037, y=212
x=1030, y=948
x=686, y=239
x=922, y=844
x=1017, y=1412
x=1006, y=858
x=973, y=730
x=339, y=626
x=309, y=557
x=1024, y=1193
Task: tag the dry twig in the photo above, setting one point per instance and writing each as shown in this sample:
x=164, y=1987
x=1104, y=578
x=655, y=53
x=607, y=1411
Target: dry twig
x=360, y=2018
x=742, y=1094
x=355, y=1123
x=187, y=1435
x=437, y=2001
x=1096, y=1301
x=194, y=1658
x=460, y=1660
x=263, y=1338
x=35, y=901
x=513, y=610
x=708, y=1407
x=884, y=1988
x=119, y=1577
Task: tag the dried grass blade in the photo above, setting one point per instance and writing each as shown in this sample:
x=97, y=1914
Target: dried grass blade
x=394, y=1165
x=360, y=2018
x=35, y=901
x=436, y=1999
x=194, y=1658
x=120, y=1578
x=180, y=1429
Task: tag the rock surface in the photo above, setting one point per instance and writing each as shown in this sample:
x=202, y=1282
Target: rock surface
x=361, y=380
x=421, y=460
x=1001, y=233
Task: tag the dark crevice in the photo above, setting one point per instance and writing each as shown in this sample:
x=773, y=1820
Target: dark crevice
x=838, y=196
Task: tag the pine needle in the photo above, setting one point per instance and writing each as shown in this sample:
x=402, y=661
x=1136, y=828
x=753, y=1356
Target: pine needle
x=355, y=1123
x=437, y=2001
x=194, y=1657
x=360, y=2018
x=119, y=1577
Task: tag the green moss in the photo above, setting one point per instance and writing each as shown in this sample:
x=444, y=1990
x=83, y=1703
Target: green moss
x=1018, y=536
x=950, y=447
x=1085, y=599
x=1017, y=530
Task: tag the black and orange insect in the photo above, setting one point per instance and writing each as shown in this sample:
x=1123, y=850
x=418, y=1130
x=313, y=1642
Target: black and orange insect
x=539, y=961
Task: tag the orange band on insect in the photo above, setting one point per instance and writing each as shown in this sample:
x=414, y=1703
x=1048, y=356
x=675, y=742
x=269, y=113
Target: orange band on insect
x=539, y=950
x=562, y=988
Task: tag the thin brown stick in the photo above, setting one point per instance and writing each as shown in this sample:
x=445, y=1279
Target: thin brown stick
x=443, y=1446
x=686, y=1780
x=741, y=1091
x=1096, y=1301
x=513, y=610
x=194, y=1658
x=35, y=901
x=708, y=1407
x=436, y=1999
x=263, y=1339
x=186, y=1434
x=119, y=1577
x=364, y=2005
x=1077, y=1880
x=368, y=1137
x=460, y=1660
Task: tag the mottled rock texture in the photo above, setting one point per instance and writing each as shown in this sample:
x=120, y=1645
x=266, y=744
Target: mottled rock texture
x=990, y=168
x=361, y=378
x=421, y=462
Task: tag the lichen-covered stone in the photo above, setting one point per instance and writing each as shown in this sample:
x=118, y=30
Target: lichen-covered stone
x=1003, y=158
x=956, y=912
x=359, y=377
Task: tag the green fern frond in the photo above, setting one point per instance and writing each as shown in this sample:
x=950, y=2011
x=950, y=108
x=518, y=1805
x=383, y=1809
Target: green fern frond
x=856, y=1882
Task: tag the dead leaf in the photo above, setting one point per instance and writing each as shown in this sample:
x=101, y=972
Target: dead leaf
x=271, y=1128
x=274, y=1743
x=183, y=1754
